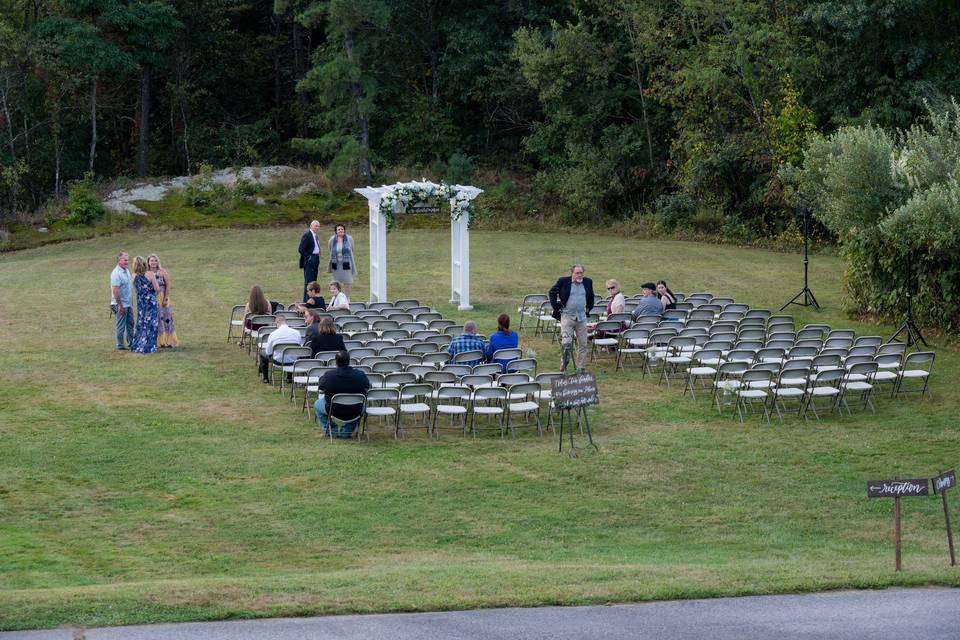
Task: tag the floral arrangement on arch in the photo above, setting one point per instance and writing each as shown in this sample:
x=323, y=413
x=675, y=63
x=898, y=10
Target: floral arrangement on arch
x=412, y=194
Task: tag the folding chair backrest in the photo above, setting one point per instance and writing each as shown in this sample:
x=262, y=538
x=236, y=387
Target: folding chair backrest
x=826, y=360
x=862, y=350
x=872, y=341
x=634, y=334
x=343, y=400
x=490, y=369
x=522, y=364
x=828, y=377
x=620, y=317
x=437, y=357
x=407, y=303
x=452, y=330
x=376, y=379
x=490, y=394
x=834, y=351
x=467, y=356
x=756, y=374
x=442, y=339
x=389, y=366
x=377, y=306
x=786, y=345
x=476, y=380
x=862, y=368
x=383, y=395
x=420, y=370
x=841, y=342
x=412, y=327
x=731, y=315
x=699, y=324
x=459, y=370
x=700, y=314
x=897, y=348
x=379, y=345
x=815, y=343
x=722, y=301
x=756, y=322
x=526, y=389
x=452, y=393
x=802, y=352
x=919, y=360
x=607, y=325
x=399, y=379
x=429, y=317
x=707, y=354
x=440, y=324
x=758, y=313
x=423, y=334
x=437, y=378
x=507, y=354
x=408, y=359
x=393, y=351
x=509, y=379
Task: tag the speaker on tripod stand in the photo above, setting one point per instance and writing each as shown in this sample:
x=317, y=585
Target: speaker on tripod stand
x=909, y=329
x=805, y=297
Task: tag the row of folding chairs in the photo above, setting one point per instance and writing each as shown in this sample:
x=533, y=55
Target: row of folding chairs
x=815, y=387
x=502, y=398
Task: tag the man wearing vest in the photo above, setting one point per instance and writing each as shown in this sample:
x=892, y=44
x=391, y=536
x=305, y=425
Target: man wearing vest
x=572, y=298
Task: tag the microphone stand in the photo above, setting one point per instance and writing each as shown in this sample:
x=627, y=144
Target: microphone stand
x=808, y=298
x=909, y=327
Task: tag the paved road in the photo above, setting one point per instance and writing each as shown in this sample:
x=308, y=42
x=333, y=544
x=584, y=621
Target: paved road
x=897, y=614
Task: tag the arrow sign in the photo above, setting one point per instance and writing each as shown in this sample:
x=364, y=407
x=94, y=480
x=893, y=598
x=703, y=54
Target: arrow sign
x=897, y=488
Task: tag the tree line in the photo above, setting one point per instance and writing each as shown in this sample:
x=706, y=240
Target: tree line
x=683, y=110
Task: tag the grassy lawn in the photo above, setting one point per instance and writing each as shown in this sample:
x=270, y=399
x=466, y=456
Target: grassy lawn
x=176, y=487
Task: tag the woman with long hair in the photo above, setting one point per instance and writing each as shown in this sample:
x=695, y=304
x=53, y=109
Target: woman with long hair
x=257, y=305
x=667, y=299
x=166, y=333
x=145, y=284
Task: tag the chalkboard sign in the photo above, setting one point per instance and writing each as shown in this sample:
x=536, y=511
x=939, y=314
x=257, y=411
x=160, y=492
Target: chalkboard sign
x=423, y=207
x=897, y=488
x=577, y=390
x=944, y=481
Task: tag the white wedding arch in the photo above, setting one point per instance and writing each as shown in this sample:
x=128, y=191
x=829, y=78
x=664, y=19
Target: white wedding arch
x=386, y=200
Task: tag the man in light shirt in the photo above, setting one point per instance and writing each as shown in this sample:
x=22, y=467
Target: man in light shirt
x=121, y=300
x=309, y=250
x=283, y=334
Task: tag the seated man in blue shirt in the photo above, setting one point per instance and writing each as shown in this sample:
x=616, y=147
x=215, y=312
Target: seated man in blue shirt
x=467, y=341
x=650, y=304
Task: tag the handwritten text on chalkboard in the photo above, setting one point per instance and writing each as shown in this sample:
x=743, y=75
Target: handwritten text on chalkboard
x=944, y=481
x=896, y=488
x=578, y=390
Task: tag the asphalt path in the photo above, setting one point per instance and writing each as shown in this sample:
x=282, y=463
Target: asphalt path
x=897, y=614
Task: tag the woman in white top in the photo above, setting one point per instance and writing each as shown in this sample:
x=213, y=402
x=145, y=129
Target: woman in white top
x=617, y=304
x=338, y=299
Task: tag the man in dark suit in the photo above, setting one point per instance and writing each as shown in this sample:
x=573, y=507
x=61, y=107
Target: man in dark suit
x=572, y=298
x=309, y=255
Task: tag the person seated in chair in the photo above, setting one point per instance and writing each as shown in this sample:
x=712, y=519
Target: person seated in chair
x=649, y=304
x=502, y=339
x=283, y=333
x=326, y=337
x=314, y=299
x=467, y=341
x=343, y=379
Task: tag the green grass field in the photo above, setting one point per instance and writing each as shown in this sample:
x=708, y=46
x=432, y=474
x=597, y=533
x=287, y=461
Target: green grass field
x=176, y=487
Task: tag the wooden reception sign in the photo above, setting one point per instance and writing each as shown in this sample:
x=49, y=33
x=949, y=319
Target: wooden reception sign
x=897, y=489
x=940, y=484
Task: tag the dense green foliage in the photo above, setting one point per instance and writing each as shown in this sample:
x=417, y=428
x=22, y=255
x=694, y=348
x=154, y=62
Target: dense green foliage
x=890, y=197
x=679, y=110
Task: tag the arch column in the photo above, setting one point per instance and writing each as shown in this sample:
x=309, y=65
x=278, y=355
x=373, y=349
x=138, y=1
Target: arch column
x=378, y=244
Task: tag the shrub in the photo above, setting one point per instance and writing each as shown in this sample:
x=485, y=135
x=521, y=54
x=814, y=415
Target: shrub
x=674, y=211
x=206, y=195
x=83, y=204
x=890, y=198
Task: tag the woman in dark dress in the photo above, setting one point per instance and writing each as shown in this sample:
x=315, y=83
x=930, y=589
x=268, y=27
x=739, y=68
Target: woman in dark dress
x=145, y=284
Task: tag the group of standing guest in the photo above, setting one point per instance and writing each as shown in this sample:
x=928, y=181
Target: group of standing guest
x=341, y=264
x=154, y=326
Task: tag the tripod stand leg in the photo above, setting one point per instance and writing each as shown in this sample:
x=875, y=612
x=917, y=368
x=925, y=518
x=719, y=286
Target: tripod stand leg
x=811, y=300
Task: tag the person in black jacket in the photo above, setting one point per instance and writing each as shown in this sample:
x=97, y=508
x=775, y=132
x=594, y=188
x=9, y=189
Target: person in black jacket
x=309, y=251
x=572, y=299
x=326, y=337
x=343, y=379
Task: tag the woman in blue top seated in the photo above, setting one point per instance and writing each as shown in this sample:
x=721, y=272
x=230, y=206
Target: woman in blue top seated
x=502, y=339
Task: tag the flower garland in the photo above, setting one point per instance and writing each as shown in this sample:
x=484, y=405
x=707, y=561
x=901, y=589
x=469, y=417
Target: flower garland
x=412, y=194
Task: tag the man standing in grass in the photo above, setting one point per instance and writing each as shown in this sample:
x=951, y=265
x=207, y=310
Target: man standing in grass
x=467, y=341
x=572, y=298
x=309, y=250
x=121, y=301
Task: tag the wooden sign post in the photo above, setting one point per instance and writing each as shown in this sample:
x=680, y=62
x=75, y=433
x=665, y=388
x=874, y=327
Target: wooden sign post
x=941, y=483
x=574, y=393
x=896, y=489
